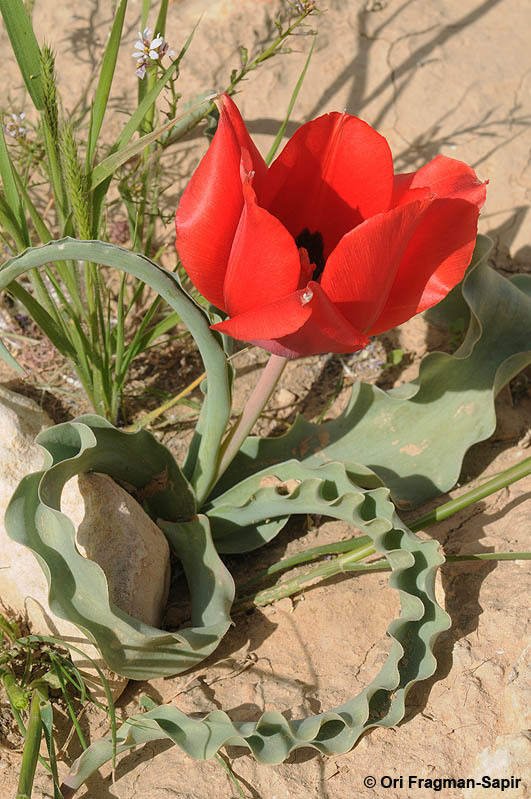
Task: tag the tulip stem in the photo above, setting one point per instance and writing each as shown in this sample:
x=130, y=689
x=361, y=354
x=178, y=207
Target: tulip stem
x=253, y=408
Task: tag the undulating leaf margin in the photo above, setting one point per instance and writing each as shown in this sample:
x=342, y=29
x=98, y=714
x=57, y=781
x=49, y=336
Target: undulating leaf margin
x=381, y=704
x=253, y=512
x=415, y=436
x=78, y=589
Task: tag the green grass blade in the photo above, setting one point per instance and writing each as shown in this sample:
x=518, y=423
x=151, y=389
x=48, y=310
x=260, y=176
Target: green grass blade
x=151, y=335
x=109, y=165
x=146, y=6
x=58, y=670
x=8, y=359
x=278, y=138
x=31, y=749
x=106, y=77
x=25, y=47
x=120, y=328
x=45, y=321
x=16, y=695
x=160, y=24
x=40, y=226
x=146, y=101
x=9, y=224
x=7, y=174
x=167, y=285
x=46, y=711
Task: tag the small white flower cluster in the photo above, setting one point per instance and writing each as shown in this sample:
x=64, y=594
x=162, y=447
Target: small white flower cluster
x=148, y=51
x=14, y=127
x=301, y=6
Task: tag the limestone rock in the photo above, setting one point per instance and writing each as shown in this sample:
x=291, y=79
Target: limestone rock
x=111, y=527
x=114, y=531
x=517, y=694
x=510, y=757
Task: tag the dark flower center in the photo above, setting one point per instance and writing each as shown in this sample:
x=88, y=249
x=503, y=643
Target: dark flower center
x=313, y=244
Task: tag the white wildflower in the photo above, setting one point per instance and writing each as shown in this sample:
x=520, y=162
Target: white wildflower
x=149, y=51
x=14, y=127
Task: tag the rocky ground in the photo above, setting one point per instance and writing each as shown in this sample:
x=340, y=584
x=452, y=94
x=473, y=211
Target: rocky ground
x=434, y=77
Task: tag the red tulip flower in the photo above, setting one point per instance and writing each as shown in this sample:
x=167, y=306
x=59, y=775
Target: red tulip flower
x=327, y=246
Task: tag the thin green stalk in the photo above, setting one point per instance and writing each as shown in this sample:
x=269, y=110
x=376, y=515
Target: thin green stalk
x=307, y=556
x=270, y=51
x=278, y=138
x=505, y=478
x=253, y=408
x=230, y=774
x=31, y=749
x=295, y=584
x=347, y=563
x=501, y=480
x=149, y=82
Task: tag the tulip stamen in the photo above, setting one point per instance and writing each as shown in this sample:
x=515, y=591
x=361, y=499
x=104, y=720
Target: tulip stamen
x=314, y=246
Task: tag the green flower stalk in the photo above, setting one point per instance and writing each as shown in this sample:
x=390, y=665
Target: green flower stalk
x=50, y=124
x=75, y=181
x=49, y=84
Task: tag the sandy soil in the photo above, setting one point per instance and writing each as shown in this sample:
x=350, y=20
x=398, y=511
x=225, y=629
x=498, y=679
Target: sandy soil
x=434, y=77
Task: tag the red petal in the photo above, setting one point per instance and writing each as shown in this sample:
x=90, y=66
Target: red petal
x=303, y=323
x=333, y=173
x=360, y=272
x=211, y=206
x=264, y=263
x=445, y=177
x=229, y=109
x=434, y=262
x=268, y=321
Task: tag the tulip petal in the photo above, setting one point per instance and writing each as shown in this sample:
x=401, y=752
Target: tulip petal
x=332, y=174
x=360, y=272
x=212, y=203
x=435, y=261
x=264, y=263
x=302, y=323
x=229, y=111
x=268, y=321
x=445, y=177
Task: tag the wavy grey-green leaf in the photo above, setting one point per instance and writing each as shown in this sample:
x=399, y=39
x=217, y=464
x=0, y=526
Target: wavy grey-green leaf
x=251, y=513
x=273, y=737
x=78, y=589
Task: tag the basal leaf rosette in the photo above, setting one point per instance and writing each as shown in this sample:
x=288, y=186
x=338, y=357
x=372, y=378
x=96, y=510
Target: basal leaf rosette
x=78, y=587
x=381, y=704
